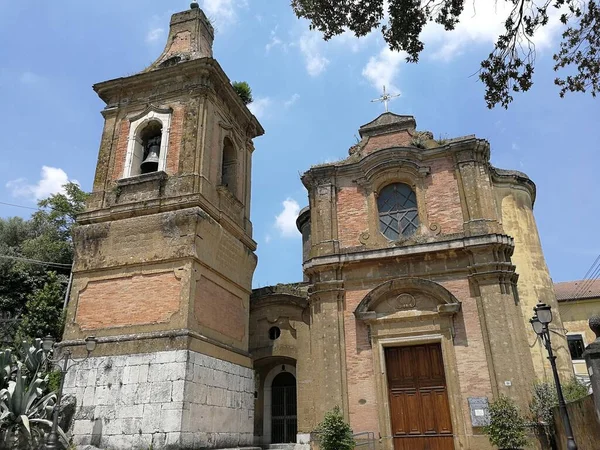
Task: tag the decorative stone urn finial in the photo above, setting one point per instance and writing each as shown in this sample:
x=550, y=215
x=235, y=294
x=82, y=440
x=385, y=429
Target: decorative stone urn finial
x=594, y=324
x=194, y=5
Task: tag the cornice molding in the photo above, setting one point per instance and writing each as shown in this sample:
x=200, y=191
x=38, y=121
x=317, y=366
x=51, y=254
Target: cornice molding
x=361, y=256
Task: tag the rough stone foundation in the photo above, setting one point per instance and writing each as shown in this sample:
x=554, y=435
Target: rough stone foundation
x=174, y=399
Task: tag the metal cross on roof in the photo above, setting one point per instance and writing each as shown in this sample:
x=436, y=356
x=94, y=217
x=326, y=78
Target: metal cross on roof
x=385, y=98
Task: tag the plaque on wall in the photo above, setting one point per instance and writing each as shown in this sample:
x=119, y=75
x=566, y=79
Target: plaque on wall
x=479, y=407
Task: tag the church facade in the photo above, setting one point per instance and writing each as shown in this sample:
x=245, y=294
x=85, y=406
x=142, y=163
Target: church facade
x=422, y=264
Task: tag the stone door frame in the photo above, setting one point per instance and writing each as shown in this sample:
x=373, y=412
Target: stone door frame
x=268, y=397
x=444, y=338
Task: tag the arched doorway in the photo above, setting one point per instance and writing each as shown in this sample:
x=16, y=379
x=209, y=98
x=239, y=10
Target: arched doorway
x=284, y=424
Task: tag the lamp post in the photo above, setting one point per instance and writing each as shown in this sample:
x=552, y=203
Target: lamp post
x=540, y=320
x=52, y=442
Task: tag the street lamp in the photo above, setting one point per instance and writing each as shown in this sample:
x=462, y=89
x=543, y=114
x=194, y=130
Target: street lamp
x=540, y=320
x=52, y=443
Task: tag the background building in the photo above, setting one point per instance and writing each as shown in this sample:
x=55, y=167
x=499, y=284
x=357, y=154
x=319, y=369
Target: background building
x=578, y=301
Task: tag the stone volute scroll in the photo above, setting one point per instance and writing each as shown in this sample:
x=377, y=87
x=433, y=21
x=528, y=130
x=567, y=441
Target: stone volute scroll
x=416, y=296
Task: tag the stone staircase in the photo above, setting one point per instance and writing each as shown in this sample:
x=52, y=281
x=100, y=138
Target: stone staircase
x=285, y=447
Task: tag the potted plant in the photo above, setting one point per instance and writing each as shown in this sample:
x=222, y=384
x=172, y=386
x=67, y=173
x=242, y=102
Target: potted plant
x=507, y=428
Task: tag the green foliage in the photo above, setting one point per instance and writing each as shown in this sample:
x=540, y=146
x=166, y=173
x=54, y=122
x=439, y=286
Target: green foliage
x=54, y=379
x=574, y=389
x=43, y=311
x=545, y=400
x=507, y=426
x=244, y=91
x=335, y=433
x=31, y=291
x=508, y=68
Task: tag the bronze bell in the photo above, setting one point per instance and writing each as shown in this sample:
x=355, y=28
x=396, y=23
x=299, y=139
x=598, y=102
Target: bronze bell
x=150, y=164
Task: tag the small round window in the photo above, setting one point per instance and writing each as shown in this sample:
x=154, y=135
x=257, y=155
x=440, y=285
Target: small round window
x=274, y=333
x=398, y=215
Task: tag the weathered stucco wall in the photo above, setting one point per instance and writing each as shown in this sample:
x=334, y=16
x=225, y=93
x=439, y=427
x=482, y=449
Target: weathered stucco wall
x=534, y=284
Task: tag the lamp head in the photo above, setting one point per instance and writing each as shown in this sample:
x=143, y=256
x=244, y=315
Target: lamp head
x=537, y=325
x=90, y=343
x=544, y=313
x=47, y=344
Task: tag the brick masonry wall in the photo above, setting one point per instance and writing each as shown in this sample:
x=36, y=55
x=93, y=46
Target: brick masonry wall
x=362, y=394
x=175, y=136
x=472, y=364
x=442, y=197
x=121, y=150
x=220, y=310
x=352, y=215
x=177, y=398
x=400, y=139
x=469, y=350
x=128, y=301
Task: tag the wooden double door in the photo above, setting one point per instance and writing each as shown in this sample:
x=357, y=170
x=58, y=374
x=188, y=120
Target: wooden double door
x=419, y=408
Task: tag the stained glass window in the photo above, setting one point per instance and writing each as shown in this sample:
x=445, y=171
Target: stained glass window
x=398, y=215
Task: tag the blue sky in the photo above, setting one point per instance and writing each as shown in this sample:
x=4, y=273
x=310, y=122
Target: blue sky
x=311, y=97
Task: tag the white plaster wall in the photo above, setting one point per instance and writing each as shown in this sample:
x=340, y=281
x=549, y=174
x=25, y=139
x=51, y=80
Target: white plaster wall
x=179, y=399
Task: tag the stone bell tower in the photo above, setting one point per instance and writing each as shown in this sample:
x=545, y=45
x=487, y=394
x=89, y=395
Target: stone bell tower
x=165, y=258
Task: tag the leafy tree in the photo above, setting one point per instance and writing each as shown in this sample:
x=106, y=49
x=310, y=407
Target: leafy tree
x=244, y=91
x=507, y=426
x=335, y=433
x=30, y=291
x=52, y=226
x=508, y=68
x=43, y=311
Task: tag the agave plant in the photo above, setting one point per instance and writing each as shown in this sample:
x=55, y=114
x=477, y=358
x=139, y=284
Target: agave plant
x=6, y=367
x=25, y=412
x=33, y=356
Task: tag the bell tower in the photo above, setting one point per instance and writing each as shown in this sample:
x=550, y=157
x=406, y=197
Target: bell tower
x=165, y=258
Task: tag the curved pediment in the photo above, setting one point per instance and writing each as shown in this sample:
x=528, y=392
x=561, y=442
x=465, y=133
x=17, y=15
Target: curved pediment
x=407, y=294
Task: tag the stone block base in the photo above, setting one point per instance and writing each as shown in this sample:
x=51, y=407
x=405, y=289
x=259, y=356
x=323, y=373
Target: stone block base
x=168, y=400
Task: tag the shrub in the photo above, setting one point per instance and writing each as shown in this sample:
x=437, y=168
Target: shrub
x=574, y=389
x=507, y=426
x=545, y=399
x=244, y=91
x=335, y=434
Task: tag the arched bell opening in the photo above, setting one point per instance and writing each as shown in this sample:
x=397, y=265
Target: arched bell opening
x=150, y=137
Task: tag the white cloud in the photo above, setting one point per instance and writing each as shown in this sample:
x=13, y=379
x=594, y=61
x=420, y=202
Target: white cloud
x=51, y=182
x=260, y=107
x=154, y=35
x=268, y=238
x=290, y=102
x=310, y=43
x=482, y=21
x=223, y=12
x=275, y=41
x=382, y=69
x=285, y=221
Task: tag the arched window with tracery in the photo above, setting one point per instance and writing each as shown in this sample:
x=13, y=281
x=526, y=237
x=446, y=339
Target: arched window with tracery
x=398, y=214
x=229, y=166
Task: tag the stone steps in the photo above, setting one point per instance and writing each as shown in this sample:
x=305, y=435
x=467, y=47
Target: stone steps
x=283, y=447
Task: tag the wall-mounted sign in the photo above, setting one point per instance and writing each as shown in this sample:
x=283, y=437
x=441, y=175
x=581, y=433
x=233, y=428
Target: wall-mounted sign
x=479, y=407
